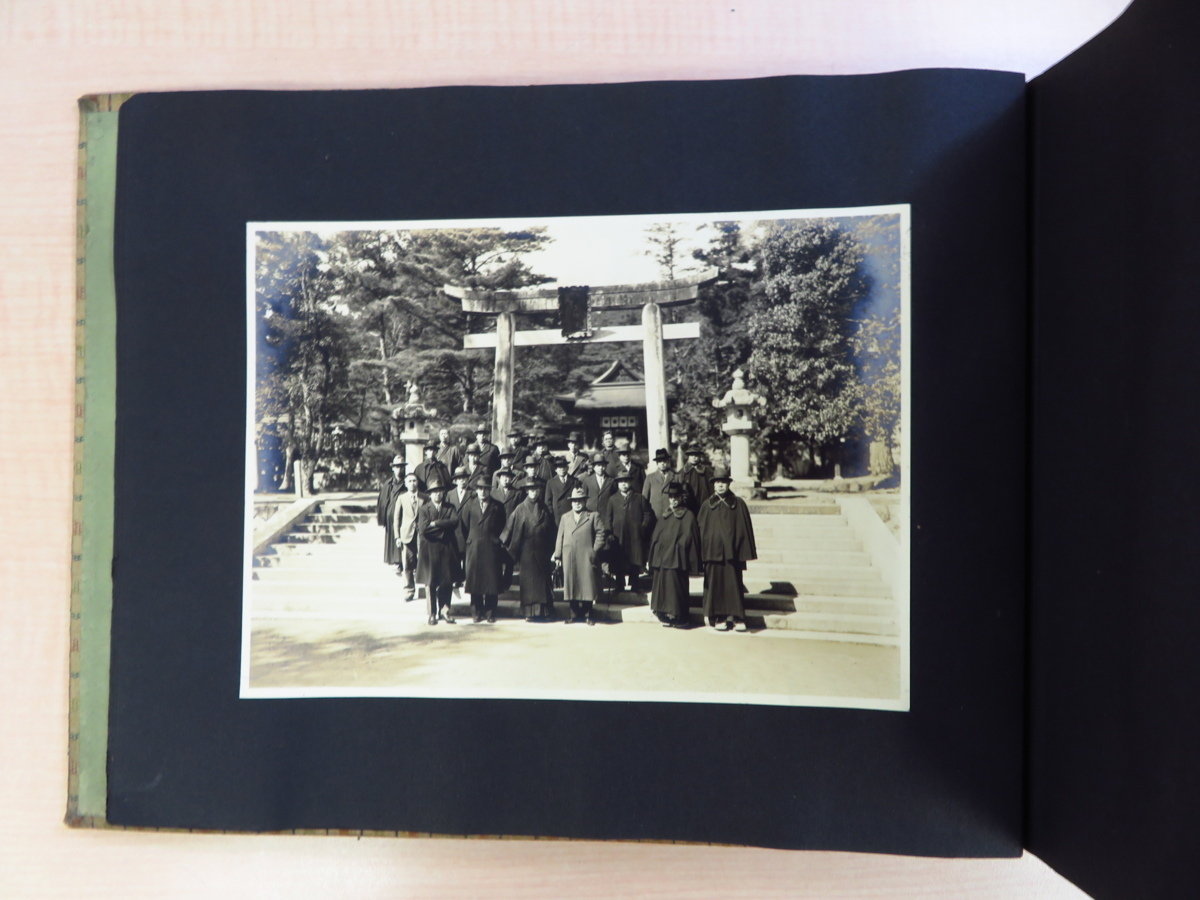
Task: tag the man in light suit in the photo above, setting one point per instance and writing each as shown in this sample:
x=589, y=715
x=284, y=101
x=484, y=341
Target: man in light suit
x=404, y=527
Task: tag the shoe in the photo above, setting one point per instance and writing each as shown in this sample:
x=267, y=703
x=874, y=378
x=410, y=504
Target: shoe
x=447, y=618
x=569, y=620
x=433, y=620
x=409, y=598
x=741, y=626
x=668, y=624
x=590, y=620
x=491, y=617
x=476, y=619
x=727, y=625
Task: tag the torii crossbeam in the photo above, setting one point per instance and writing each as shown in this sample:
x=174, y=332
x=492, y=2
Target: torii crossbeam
x=650, y=297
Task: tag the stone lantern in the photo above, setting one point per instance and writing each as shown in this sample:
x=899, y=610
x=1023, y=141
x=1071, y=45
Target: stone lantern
x=738, y=403
x=412, y=416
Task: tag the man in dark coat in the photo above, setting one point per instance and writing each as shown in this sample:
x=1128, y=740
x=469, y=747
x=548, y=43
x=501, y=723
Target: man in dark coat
x=438, y=566
x=489, y=453
x=695, y=475
x=626, y=463
x=385, y=508
x=472, y=464
x=599, y=485
x=578, y=464
x=629, y=521
x=542, y=459
x=508, y=500
x=460, y=493
x=608, y=446
x=580, y=537
x=481, y=522
x=726, y=545
x=429, y=467
x=655, y=488
x=449, y=453
x=529, y=539
x=558, y=489
x=506, y=463
x=674, y=555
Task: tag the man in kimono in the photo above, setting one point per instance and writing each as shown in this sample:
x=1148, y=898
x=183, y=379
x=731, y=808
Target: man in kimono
x=674, y=555
x=580, y=537
x=726, y=545
x=438, y=566
x=655, y=488
x=695, y=474
x=529, y=539
x=404, y=527
x=489, y=453
x=577, y=461
x=629, y=522
x=599, y=485
x=481, y=522
x=385, y=508
x=558, y=489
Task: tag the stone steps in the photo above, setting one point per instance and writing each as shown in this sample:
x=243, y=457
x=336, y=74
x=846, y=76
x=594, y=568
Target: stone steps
x=812, y=577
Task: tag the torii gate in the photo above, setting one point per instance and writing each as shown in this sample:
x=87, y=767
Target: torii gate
x=651, y=297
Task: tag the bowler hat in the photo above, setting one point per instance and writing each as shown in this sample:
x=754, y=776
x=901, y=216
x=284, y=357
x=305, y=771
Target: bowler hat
x=720, y=473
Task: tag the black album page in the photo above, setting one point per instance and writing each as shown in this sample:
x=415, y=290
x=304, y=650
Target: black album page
x=1114, y=675
x=803, y=299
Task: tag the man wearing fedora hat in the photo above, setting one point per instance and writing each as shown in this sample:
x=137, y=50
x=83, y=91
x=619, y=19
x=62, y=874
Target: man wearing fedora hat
x=599, y=485
x=628, y=519
x=489, y=453
x=430, y=466
x=385, y=508
x=438, y=565
x=655, y=487
x=726, y=545
x=580, y=537
x=558, y=489
x=481, y=521
x=695, y=474
x=577, y=461
x=674, y=555
x=529, y=539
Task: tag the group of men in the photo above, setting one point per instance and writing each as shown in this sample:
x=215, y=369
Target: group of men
x=471, y=518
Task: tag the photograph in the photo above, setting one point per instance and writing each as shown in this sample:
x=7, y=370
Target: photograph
x=653, y=458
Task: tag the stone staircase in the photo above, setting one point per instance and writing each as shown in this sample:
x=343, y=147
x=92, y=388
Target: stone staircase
x=813, y=575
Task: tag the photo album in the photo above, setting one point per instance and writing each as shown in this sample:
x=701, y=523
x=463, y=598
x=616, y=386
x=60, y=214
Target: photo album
x=764, y=462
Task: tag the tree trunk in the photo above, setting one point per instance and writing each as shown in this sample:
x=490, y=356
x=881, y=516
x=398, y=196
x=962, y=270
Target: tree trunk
x=882, y=462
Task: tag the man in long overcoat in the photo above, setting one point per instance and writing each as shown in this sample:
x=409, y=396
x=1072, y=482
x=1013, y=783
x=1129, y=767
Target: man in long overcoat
x=529, y=539
x=580, y=537
x=481, y=522
x=508, y=499
x=558, y=489
x=674, y=555
x=385, y=508
x=449, y=453
x=629, y=522
x=626, y=463
x=726, y=545
x=438, y=566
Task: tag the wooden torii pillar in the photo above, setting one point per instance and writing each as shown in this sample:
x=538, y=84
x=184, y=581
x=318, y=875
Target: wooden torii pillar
x=650, y=297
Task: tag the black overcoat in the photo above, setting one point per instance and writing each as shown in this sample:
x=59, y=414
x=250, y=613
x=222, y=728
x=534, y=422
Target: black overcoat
x=485, y=556
x=597, y=499
x=726, y=545
x=674, y=555
x=558, y=495
x=438, y=558
x=630, y=521
x=385, y=508
x=529, y=539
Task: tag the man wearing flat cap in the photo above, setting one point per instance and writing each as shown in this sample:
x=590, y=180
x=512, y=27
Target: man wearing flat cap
x=580, y=537
x=385, y=508
x=438, y=566
x=726, y=545
x=529, y=540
